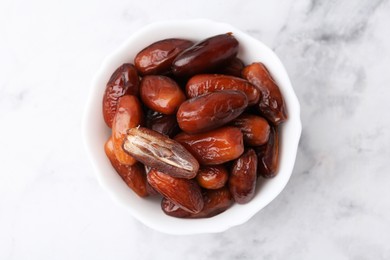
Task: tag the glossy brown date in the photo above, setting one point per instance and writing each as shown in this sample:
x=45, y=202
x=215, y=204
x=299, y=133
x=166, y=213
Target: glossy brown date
x=271, y=103
x=210, y=111
x=124, y=81
x=242, y=180
x=129, y=115
x=159, y=151
x=205, y=83
x=157, y=58
x=134, y=176
x=254, y=128
x=268, y=155
x=215, y=147
x=173, y=210
x=233, y=68
x=212, y=177
x=161, y=94
x=183, y=192
x=215, y=202
x=206, y=56
x=164, y=124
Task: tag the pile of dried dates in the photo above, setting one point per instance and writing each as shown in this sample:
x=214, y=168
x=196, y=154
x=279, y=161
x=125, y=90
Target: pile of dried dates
x=192, y=123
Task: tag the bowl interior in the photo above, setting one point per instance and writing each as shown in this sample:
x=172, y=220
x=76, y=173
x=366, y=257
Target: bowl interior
x=148, y=210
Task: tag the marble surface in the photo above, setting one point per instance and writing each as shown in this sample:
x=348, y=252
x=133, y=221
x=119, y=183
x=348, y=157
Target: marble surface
x=336, y=205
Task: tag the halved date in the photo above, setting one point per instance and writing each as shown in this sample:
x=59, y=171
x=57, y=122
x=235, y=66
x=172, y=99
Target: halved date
x=271, y=103
x=158, y=151
x=215, y=147
x=268, y=155
x=242, y=181
x=211, y=110
x=157, y=58
x=134, y=176
x=206, y=56
x=184, y=193
x=254, y=128
x=205, y=83
x=129, y=115
x=124, y=81
x=161, y=94
x=212, y=177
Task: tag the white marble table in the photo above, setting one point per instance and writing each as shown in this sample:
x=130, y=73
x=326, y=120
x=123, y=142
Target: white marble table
x=337, y=203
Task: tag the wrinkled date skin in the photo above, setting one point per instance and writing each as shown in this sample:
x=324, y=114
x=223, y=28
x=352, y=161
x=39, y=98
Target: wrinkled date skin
x=254, y=128
x=164, y=124
x=161, y=94
x=206, y=56
x=215, y=147
x=124, y=81
x=211, y=110
x=215, y=202
x=268, y=155
x=271, y=103
x=242, y=181
x=129, y=115
x=205, y=83
x=159, y=151
x=212, y=177
x=184, y=193
x=233, y=68
x=134, y=175
x=157, y=58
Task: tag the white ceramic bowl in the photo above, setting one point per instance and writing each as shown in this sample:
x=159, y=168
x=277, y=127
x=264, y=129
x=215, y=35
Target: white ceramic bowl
x=148, y=211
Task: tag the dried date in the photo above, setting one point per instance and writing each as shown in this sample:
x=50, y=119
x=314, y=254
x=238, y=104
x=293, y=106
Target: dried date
x=254, y=128
x=161, y=94
x=129, y=115
x=206, y=56
x=211, y=110
x=268, y=155
x=233, y=68
x=242, y=181
x=212, y=177
x=205, y=83
x=215, y=147
x=173, y=210
x=157, y=58
x=271, y=103
x=159, y=151
x=215, y=202
x=124, y=81
x=183, y=192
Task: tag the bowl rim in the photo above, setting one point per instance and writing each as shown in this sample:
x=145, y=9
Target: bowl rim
x=88, y=141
